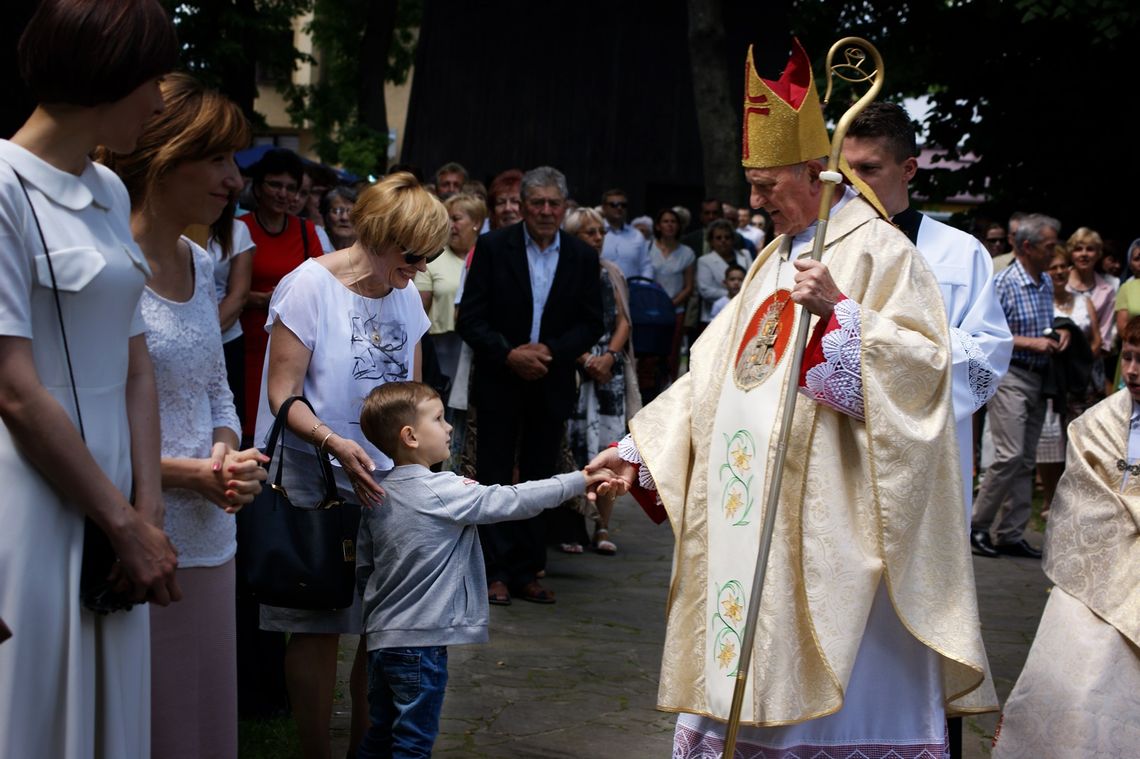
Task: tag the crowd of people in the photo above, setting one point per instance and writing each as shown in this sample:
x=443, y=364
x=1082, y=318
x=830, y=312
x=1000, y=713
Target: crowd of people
x=467, y=354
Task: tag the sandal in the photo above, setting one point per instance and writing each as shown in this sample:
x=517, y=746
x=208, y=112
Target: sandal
x=498, y=594
x=570, y=547
x=602, y=543
x=535, y=593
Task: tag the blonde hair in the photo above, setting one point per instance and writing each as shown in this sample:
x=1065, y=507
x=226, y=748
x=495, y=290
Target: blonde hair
x=469, y=204
x=1086, y=236
x=197, y=123
x=397, y=210
x=578, y=218
x=388, y=409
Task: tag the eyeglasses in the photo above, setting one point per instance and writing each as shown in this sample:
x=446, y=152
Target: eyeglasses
x=277, y=186
x=340, y=211
x=413, y=259
x=617, y=203
x=993, y=240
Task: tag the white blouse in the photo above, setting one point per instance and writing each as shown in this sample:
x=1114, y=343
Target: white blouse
x=194, y=399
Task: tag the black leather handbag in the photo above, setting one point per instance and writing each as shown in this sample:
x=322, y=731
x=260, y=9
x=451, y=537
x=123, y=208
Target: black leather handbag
x=298, y=550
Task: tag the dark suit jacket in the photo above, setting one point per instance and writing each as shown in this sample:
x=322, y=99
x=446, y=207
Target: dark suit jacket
x=497, y=308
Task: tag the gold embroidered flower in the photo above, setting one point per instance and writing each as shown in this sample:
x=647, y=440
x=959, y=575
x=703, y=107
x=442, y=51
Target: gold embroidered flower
x=727, y=654
x=735, y=501
x=741, y=458
x=732, y=609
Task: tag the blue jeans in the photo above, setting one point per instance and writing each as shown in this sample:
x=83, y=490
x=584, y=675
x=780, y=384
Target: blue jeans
x=405, y=696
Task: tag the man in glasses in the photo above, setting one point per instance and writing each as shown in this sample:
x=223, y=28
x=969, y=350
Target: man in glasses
x=624, y=245
x=532, y=305
x=994, y=239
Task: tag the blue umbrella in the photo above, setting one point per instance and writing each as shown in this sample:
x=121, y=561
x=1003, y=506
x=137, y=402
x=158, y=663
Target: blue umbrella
x=250, y=156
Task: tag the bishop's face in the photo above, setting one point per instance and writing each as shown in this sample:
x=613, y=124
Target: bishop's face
x=789, y=194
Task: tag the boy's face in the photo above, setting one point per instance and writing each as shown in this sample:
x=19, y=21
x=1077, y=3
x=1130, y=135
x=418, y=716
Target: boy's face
x=1130, y=368
x=432, y=431
x=732, y=282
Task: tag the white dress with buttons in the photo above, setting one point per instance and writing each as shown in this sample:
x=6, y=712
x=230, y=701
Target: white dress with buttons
x=72, y=684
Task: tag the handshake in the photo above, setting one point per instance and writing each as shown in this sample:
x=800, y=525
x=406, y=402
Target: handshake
x=608, y=476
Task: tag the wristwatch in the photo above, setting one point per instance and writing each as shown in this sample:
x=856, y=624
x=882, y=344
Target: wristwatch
x=618, y=357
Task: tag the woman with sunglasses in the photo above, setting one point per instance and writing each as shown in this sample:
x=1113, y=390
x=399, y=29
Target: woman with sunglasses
x=340, y=325
x=283, y=242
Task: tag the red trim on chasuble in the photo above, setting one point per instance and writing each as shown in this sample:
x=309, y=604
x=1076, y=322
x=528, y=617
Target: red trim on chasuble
x=813, y=355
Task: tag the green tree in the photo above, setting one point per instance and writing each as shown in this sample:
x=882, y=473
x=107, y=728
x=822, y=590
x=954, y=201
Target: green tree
x=225, y=43
x=1035, y=90
x=362, y=44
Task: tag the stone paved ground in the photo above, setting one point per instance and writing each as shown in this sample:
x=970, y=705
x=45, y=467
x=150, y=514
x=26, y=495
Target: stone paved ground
x=579, y=678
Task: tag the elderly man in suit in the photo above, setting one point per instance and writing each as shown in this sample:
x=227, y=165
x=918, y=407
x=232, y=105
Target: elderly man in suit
x=531, y=306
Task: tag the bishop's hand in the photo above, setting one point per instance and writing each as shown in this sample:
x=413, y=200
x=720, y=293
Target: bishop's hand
x=814, y=288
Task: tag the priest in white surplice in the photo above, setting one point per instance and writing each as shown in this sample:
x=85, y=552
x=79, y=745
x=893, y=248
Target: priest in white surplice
x=868, y=633
x=881, y=149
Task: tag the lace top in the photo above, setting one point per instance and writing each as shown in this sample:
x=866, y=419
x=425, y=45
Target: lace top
x=193, y=399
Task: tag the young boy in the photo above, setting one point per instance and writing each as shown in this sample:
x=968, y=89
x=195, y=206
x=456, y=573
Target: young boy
x=420, y=566
x=733, y=279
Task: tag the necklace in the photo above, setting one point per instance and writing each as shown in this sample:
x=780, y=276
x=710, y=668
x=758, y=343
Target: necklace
x=263, y=225
x=372, y=323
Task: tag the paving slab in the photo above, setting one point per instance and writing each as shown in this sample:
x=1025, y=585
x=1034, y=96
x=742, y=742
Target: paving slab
x=579, y=677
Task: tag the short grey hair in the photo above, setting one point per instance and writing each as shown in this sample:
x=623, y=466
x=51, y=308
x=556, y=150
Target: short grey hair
x=721, y=224
x=1031, y=227
x=544, y=176
x=578, y=218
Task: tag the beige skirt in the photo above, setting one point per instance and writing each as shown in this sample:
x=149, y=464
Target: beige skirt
x=1079, y=694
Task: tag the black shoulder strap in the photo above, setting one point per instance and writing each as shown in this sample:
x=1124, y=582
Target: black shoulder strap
x=58, y=307
x=304, y=236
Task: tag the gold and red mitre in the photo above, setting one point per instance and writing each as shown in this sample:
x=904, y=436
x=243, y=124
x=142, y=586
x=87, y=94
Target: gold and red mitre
x=783, y=121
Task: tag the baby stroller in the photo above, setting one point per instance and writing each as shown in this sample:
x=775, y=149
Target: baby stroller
x=654, y=319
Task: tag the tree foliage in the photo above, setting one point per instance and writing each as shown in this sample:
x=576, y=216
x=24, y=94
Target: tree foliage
x=362, y=44
x=224, y=42
x=1033, y=89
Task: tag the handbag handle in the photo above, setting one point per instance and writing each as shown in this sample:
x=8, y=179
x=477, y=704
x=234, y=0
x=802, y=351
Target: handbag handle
x=331, y=497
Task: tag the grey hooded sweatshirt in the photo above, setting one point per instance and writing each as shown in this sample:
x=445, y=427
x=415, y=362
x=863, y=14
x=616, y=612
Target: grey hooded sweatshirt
x=418, y=559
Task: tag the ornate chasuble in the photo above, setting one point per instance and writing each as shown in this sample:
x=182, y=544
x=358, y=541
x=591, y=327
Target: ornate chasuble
x=860, y=503
x=1092, y=542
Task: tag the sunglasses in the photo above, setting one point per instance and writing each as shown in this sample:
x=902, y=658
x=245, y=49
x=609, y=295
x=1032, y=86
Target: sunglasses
x=412, y=259
x=617, y=203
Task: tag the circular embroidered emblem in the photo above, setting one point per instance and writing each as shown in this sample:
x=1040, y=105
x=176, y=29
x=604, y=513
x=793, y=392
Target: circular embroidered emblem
x=765, y=340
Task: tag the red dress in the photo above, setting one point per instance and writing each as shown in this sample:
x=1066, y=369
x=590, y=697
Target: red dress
x=276, y=255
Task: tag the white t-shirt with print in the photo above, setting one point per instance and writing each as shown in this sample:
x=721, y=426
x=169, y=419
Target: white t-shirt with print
x=357, y=343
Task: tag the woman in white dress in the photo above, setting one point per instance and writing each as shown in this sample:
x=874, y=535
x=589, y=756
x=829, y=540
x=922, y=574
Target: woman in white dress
x=72, y=683
x=338, y=326
x=182, y=173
